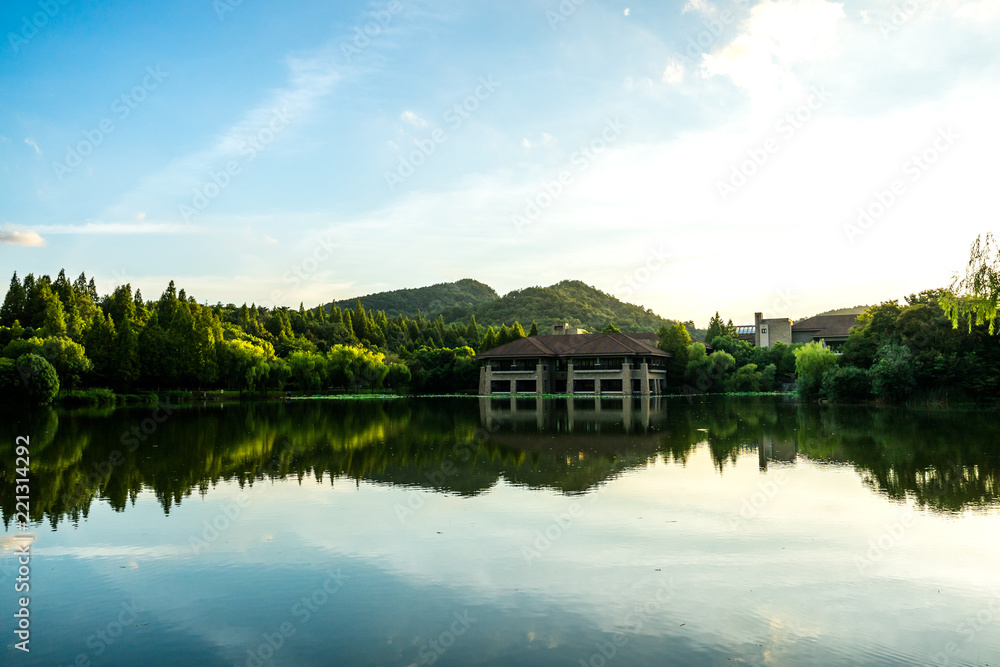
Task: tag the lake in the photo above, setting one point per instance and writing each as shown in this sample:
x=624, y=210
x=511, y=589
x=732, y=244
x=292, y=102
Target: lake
x=468, y=531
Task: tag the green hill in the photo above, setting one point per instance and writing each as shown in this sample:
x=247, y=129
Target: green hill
x=457, y=300
x=568, y=301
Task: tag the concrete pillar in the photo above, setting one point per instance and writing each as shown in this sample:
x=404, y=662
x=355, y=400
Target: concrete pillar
x=569, y=376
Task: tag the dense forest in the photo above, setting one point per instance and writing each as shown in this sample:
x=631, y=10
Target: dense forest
x=61, y=334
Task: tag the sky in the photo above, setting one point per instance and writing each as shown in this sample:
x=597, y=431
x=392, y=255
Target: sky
x=783, y=156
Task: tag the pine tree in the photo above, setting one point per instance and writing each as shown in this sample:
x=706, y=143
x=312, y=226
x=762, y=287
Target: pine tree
x=14, y=303
x=472, y=332
x=490, y=340
x=534, y=329
x=503, y=336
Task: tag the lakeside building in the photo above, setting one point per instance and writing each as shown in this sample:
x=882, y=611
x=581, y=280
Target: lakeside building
x=832, y=329
x=575, y=363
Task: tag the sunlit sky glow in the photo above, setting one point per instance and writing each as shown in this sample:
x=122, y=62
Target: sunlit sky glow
x=254, y=151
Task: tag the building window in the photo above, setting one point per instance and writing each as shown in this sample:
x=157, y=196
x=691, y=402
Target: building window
x=525, y=386
x=583, y=386
x=500, y=386
x=611, y=385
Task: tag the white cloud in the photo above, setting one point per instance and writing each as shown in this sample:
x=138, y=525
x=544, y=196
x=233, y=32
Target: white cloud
x=29, y=238
x=269, y=240
x=627, y=10
x=777, y=35
x=412, y=118
x=700, y=6
x=31, y=142
x=526, y=143
x=674, y=72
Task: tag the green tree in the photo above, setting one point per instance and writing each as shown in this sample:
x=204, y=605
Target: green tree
x=892, y=375
x=99, y=342
x=675, y=340
x=490, y=340
x=533, y=331
x=715, y=327
x=41, y=382
x=846, y=384
x=503, y=336
x=472, y=332
x=974, y=297
x=611, y=328
x=812, y=360
x=308, y=369
x=68, y=358
x=14, y=303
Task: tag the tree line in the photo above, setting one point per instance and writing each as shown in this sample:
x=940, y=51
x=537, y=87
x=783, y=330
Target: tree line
x=61, y=334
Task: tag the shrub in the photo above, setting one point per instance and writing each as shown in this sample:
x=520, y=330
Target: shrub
x=892, y=374
x=41, y=383
x=92, y=397
x=846, y=384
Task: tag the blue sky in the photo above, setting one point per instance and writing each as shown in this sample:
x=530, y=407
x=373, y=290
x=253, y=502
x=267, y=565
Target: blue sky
x=788, y=156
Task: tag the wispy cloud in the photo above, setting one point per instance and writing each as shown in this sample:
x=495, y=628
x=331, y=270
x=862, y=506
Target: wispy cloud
x=309, y=79
x=137, y=227
x=412, y=118
x=31, y=142
x=29, y=238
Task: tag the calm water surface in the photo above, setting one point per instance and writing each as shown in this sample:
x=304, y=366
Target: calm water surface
x=489, y=532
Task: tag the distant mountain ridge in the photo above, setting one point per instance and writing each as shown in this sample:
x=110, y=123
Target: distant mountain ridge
x=460, y=297
x=571, y=301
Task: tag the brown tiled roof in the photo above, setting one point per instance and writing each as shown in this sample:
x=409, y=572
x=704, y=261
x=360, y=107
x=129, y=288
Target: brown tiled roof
x=579, y=345
x=826, y=326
